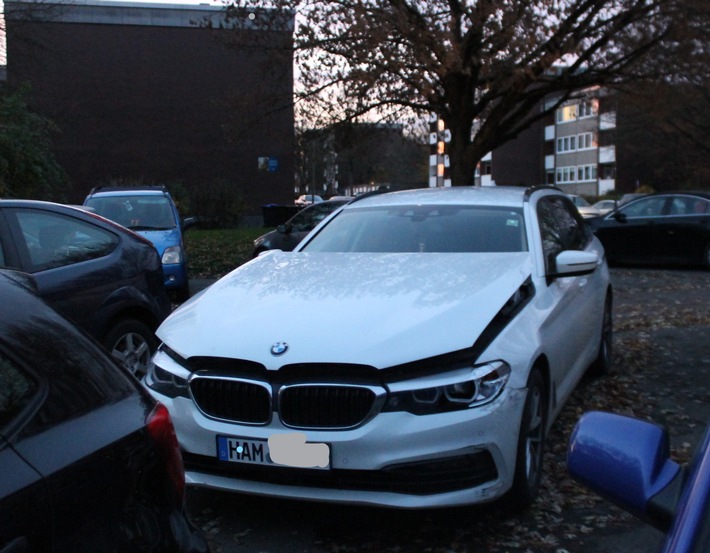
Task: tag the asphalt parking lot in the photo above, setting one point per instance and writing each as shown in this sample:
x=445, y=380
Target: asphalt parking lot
x=662, y=373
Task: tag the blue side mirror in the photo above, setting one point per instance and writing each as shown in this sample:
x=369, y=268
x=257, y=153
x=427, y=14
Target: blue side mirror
x=626, y=461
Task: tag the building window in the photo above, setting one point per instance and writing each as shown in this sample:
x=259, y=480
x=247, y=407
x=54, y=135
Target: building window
x=584, y=141
x=576, y=173
x=588, y=108
x=567, y=113
x=583, y=110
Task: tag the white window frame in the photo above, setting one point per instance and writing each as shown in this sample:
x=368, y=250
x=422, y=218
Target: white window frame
x=574, y=112
x=585, y=141
x=576, y=173
x=573, y=143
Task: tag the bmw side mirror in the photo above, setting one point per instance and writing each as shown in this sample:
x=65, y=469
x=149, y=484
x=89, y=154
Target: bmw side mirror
x=620, y=217
x=627, y=461
x=575, y=263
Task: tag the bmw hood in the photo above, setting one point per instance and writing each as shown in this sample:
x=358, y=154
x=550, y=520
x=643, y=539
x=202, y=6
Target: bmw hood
x=375, y=309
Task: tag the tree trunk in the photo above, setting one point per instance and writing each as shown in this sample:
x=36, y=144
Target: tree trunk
x=463, y=162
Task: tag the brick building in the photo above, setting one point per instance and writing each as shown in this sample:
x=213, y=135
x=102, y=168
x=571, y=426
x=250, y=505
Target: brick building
x=161, y=93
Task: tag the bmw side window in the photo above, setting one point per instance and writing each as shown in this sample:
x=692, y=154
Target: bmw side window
x=560, y=229
x=572, y=230
x=17, y=389
x=552, y=243
x=52, y=240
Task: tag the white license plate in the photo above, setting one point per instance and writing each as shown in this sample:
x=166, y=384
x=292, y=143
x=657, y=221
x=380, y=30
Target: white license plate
x=240, y=450
x=290, y=452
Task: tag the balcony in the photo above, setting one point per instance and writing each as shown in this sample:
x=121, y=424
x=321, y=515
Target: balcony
x=607, y=154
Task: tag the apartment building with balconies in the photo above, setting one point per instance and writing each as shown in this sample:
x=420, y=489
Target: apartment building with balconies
x=572, y=147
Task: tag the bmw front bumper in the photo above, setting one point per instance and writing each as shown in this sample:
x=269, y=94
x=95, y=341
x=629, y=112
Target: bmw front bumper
x=395, y=459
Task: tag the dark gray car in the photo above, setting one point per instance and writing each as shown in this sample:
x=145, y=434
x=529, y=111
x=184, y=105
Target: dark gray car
x=102, y=276
x=664, y=228
x=287, y=236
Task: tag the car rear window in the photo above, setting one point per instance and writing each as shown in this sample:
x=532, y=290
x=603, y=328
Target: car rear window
x=80, y=376
x=150, y=212
x=423, y=228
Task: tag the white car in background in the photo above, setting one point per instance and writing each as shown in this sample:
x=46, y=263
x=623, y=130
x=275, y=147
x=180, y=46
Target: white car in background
x=307, y=199
x=605, y=206
x=584, y=207
x=412, y=351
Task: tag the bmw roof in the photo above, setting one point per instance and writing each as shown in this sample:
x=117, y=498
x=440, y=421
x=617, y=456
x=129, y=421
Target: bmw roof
x=505, y=196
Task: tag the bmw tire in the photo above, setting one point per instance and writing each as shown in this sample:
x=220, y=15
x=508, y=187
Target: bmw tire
x=602, y=364
x=531, y=439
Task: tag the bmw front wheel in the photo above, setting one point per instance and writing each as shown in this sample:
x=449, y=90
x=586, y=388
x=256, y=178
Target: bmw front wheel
x=528, y=465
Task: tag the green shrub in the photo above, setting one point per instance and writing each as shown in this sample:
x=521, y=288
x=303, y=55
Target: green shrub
x=217, y=204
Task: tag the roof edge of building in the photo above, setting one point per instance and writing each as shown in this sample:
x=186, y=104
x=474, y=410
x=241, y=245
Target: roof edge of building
x=154, y=14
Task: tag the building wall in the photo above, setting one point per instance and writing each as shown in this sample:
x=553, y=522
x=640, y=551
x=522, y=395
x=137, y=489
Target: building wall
x=153, y=93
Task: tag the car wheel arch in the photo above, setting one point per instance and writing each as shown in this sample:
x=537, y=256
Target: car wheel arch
x=131, y=302
x=135, y=312
x=543, y=365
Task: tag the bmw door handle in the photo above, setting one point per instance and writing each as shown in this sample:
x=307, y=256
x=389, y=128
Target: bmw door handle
x=18, y=545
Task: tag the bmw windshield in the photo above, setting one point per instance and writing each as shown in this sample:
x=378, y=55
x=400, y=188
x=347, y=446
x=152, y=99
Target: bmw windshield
x=423, y=228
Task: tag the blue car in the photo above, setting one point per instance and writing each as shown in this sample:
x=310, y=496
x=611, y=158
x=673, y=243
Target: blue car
x=628, y=461
x=150, y=211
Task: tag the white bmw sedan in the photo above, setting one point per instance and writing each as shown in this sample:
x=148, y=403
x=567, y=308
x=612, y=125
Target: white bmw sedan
x=412, y=352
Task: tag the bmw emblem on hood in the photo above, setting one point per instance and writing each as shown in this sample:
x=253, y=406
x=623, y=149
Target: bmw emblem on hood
x=279, y=348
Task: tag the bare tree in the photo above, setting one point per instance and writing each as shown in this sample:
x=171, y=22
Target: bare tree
x=483, y=62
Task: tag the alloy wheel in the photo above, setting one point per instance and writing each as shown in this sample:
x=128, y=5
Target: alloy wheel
x=133, y=351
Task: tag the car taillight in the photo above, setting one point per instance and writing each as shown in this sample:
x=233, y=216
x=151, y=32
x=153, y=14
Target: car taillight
x=161, y=429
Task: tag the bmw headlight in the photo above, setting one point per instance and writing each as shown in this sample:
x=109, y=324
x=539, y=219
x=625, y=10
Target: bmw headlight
x=164, y=381
x=460, y=389
x=172, y=255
